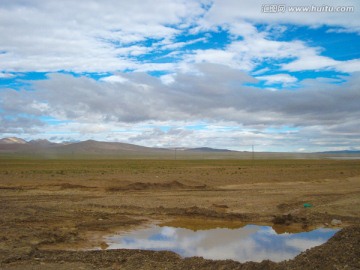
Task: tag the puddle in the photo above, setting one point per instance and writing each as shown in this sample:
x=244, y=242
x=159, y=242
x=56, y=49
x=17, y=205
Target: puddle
x=249, y=243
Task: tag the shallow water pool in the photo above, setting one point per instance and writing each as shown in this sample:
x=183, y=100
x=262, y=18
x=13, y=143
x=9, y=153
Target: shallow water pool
x=249, y=243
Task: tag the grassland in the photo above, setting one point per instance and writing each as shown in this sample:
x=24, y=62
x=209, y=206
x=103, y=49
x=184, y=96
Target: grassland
x=63, y=204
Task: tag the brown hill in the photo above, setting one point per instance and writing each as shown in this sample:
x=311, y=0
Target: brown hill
x=12, y=140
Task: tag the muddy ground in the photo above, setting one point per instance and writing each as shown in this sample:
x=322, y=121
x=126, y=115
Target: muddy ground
x=51, y=210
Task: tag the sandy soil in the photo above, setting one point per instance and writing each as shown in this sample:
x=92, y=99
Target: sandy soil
x=49, y=207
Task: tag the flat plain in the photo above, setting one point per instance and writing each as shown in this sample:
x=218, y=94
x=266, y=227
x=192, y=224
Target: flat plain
x=54, y=209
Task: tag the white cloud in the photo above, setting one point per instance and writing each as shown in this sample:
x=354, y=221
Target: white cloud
x=167, y=79
x=256, y=47
x=73, y=40
x=310, y=61
x=114, y=79
x=86, y=35
x=4, y=75
x=215, y=56
x=241, y=28
x=169, y=45
x=247, y=54
x=348, y=66
x=284, y=79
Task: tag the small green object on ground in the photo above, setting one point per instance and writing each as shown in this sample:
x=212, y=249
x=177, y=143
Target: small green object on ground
x=307, y=205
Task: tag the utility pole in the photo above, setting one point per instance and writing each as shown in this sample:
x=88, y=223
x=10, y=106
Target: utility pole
x=253, y=154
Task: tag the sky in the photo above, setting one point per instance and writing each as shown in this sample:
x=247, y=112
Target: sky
x=183, y=73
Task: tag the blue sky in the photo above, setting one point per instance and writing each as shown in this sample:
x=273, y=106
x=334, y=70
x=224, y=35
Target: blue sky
x=181, y=73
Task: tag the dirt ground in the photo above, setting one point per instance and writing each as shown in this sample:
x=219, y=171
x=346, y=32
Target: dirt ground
x=52, y=210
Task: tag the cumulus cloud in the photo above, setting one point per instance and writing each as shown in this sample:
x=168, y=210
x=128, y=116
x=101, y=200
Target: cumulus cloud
x=74, y=40
x=114, y=79
x=239, y=18
x=214, y=94
x=86, y=35
x=174, y=137
x=278, y=78
x=20, y=125
x=257, y=47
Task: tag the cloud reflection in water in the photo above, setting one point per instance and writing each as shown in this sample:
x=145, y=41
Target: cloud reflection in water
x=250, y=243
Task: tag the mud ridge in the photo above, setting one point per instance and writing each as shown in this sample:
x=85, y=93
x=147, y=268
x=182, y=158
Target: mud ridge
x=205, y=212
x=73, y=186
x=154, y=186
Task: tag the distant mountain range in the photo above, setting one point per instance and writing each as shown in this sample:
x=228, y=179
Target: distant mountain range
x=208, y=149
x=342, y=152
x=91, y=147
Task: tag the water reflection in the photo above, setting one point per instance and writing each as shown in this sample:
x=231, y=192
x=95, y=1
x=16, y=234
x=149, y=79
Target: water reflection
x=249, y=243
